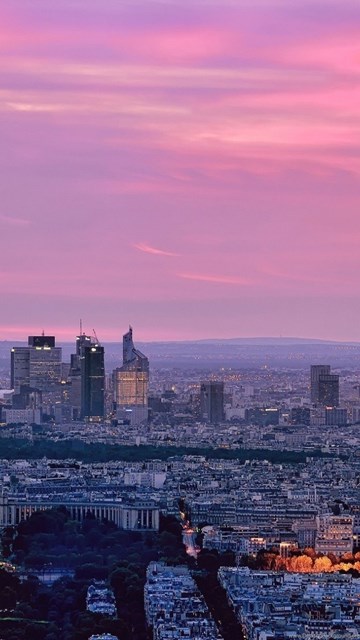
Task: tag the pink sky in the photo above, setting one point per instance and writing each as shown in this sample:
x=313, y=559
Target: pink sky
x=190, y=167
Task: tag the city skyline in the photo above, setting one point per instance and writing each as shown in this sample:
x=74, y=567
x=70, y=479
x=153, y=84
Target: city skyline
x=192, y=171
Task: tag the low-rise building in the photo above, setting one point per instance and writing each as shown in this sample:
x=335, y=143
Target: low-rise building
x=174, y=607
x=302, y=606
x=334, y=534
x=134, y=515
x=100, y=599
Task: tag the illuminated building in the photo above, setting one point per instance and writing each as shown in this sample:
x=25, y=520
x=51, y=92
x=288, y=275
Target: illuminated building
x=38, y=365
x=334, y=534
x=131, y=383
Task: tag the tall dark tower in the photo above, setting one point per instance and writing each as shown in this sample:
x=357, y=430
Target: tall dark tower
x=317, y=370
x=324, y=386
x=212, y=401
x=92, y=382
x=75, y=392
x=329, y=390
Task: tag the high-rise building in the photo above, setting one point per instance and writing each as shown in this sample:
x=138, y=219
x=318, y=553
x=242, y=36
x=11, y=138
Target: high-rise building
x=20, y=368
x=92, y=382
x=317, y=370
x=212, y=401
x=324, y=386
x=74, y=378
x=131, y=383
x=329, y=390
x=38, y=365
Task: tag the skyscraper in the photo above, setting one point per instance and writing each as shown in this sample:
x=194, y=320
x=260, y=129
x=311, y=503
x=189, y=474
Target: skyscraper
x=329, y=390
x=212, y=401
x=131, y=383
x=20, y=368
x=38, y=365
x=92, y=382
x=75, y=390
x=324, y=386
x=317, y=370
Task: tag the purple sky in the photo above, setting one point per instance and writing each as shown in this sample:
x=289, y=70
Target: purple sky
x=190, y=166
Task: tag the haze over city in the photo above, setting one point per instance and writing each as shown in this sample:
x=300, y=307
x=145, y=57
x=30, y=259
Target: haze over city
x=191, y=168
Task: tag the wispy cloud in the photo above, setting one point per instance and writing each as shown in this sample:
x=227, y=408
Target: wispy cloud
x=145, y=248
x=234, y=132
x=218, y=279
x=13, y=221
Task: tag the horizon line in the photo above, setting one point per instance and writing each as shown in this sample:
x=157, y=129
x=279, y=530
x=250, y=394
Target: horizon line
x=215, y=339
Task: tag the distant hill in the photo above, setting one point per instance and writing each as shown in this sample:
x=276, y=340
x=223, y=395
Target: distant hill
x=256, y=341
x=237, y=353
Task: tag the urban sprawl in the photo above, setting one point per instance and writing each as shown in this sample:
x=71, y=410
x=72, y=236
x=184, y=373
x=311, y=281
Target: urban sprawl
x=258, y=468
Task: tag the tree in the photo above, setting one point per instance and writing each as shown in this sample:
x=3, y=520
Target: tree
x=208, y=560
x=322, y=565
x=118, y=580
x=300, y=564
x=7, y=539
x=8, y=599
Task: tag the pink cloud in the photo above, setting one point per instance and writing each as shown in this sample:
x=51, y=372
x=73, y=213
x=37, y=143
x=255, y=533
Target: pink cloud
x=232, y=133
x=13, y=221
x=339, y=51
x=174, y=45
x=217, y=279
x=145, y=248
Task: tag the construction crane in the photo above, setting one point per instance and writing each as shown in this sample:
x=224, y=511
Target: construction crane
x=96, y=338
